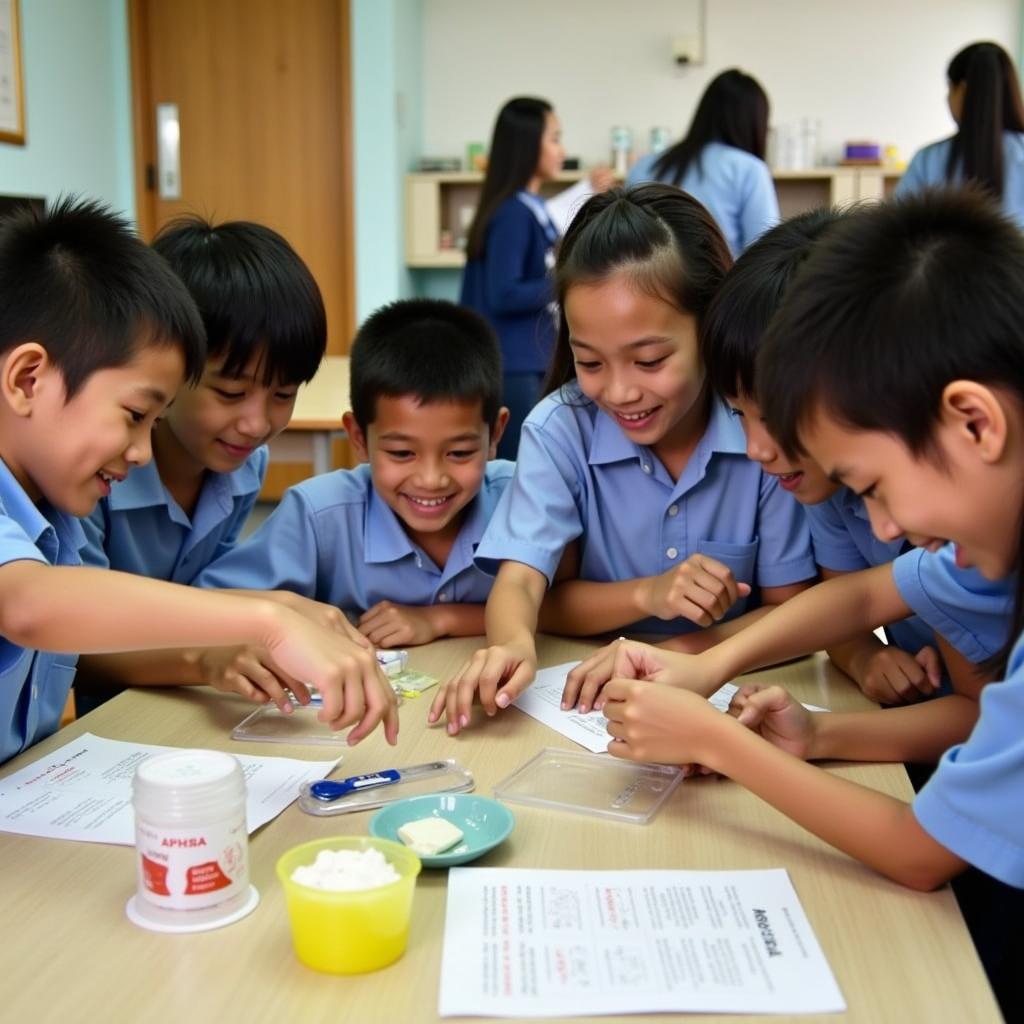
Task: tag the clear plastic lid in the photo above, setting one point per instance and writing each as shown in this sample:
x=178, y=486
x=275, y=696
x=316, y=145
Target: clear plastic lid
x=597, y=784
x=413, y=780
x=268, y=724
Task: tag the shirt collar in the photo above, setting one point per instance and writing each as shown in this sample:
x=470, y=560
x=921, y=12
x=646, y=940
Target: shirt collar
x=386, y=540
x=47, y=527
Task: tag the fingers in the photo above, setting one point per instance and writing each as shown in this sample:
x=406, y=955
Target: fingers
x=496, y=673
x=259, y=675
x=722, y=574
x=592, y=672
x=928, y=658
x=378, y=704
x=517, y=682
x=760, y=703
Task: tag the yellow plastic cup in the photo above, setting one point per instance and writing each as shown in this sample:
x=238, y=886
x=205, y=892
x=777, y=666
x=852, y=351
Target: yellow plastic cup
x=350, y=932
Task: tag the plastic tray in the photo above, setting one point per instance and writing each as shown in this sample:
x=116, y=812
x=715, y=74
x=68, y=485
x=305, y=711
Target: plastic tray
x=434, y=777
x=596, y=784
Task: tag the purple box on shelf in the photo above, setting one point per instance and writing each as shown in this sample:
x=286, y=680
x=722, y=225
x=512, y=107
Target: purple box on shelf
x=863, y=151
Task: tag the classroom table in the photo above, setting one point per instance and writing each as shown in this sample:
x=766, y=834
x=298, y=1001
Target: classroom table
x=71, y=955
x=316, y=421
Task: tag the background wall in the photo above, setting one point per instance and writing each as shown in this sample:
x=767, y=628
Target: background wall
x=867, y=69
x=77, y=104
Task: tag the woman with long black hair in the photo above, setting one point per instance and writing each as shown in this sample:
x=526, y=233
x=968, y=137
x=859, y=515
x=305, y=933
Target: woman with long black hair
x=720, y=160
x=988, y=147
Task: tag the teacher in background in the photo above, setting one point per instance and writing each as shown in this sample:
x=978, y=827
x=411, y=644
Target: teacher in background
x=720, y=161
x=988, y=147
x=510, y=251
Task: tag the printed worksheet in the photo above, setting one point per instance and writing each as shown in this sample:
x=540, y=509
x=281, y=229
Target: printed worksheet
x=83, y=790
x=542, y=700
x=525, y=943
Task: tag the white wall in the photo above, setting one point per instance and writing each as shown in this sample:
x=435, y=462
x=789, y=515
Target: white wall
x=868, y=69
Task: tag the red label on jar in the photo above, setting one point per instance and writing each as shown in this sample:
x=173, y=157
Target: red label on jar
x=205, y=878
x=155, y=876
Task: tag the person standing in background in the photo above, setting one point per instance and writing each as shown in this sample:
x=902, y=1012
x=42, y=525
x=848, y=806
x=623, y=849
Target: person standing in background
x=720, y=160
x=510, y=251
x=988, y=147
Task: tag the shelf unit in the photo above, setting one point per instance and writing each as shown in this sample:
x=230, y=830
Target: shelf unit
x=435, y=202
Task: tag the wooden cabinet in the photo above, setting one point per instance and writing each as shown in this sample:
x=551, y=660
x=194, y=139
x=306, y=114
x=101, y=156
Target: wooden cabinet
x=440, y=205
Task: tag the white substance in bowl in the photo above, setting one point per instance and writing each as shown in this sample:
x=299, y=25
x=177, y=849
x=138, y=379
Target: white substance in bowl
x=346, y=871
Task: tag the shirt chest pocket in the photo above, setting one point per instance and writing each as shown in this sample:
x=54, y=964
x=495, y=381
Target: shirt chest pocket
x=740, y=558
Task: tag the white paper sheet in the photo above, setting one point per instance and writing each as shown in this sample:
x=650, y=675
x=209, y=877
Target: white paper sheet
x=83, y=790
x=542, y=700
x=523, y=943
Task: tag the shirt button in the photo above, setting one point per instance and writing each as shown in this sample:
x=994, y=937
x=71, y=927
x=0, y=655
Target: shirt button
x=672, y=552
x=647, y=467
x=673, y=510
x=443, y=596
x=35, y=692
x=419, y=562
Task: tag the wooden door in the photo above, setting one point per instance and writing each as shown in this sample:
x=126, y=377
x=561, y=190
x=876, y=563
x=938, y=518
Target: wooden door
x=263, y=96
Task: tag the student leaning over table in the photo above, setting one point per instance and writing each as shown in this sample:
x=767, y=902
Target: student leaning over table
x=96, y=337
x=392, y=541
x=955, y=610
x=631, y=455
x=266, y=331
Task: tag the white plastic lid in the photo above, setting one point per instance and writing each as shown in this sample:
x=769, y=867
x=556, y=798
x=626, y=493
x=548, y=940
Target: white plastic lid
x=184, y=786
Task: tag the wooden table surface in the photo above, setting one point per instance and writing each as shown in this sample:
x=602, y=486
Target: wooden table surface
x=71, y=955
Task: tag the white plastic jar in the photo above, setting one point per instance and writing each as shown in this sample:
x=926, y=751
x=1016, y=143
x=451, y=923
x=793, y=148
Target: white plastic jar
x=191, y=842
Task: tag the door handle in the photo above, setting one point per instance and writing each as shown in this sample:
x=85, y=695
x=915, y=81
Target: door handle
x=168, y=151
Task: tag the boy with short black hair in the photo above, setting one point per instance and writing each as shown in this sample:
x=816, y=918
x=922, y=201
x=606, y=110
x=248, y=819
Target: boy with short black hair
x=97, y=335
x=266, y=332
x=392, y=541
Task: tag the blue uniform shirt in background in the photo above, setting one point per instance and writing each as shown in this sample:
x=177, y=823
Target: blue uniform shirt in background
x=734, y=185
x=579, y=476
x=972, y=613
x=511, y=288
x=141, y=529
x=34, y=685
x=928, y=170
x=972, y=805
x=333, y=539
x=844, y=542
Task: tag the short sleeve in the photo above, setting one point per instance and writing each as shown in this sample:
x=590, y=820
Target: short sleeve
x=833, y=545
x=539, y=514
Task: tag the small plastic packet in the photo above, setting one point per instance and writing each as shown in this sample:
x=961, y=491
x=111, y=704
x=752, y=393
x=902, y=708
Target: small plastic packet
x=410, y=683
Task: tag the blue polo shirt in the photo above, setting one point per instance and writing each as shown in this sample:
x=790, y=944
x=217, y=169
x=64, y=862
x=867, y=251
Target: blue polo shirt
x=734, y=185
x=579, y=476
x=140, y=528
x=972, y=803
x=844, y=542
x=972, y=613
x=34, y=685
x=333, y=539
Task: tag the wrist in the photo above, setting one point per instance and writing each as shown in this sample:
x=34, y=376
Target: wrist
x=642, y=600
x=438, y=619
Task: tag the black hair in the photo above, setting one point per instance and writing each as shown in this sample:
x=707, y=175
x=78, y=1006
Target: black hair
x=79, y=282
x=662, y=238
x=894, y=303
x=511, y=162
x=992, y=105
x=752, y=291
x=429, y=348
x=254, y=293
x=733, y=110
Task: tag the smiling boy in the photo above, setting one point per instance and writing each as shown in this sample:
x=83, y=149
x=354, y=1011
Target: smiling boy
x=392, y=541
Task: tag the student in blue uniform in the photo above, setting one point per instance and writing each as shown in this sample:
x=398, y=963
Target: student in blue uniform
x=97, y=334
x=988, y=147
x=720, y=161
x=935, y=283
x=631, y=455
x=392, y=542
x=266, y=333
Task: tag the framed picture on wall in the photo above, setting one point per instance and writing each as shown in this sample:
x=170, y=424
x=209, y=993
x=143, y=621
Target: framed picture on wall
x=12, y=96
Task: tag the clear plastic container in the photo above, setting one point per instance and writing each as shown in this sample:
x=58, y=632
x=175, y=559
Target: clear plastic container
x=596, y=784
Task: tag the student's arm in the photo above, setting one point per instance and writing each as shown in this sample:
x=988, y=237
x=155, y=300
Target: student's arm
x=671, y=726
x=700, y=589
x=82, y=610
x=815, y=619
x=967, y=677
x=501, y=671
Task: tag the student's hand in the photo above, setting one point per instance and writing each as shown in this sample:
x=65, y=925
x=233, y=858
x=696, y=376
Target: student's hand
x=246, y=671
x=602, y=178
x=630, y=659
x=700, y=589
x=653, y=722
x=498, y=674
x=326, y=615
x=775, y=715
x=892, y=676
x=345, y=673
x=387, y=624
